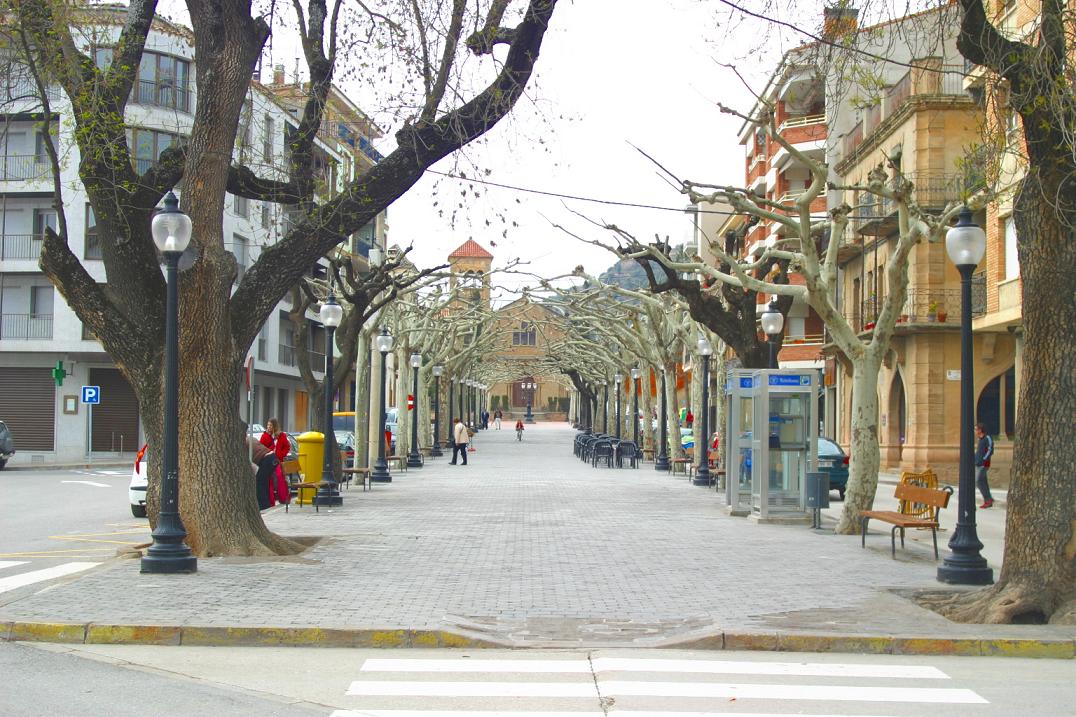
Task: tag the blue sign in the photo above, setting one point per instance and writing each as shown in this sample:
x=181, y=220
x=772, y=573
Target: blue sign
x=91, y=394
x=785, y=380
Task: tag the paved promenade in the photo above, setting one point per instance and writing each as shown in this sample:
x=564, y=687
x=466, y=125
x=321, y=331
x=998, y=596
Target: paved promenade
x=528, y=546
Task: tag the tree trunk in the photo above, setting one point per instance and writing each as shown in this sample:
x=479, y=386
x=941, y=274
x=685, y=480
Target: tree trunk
x=675, y=448
x=865, y=455
x=1038, y=576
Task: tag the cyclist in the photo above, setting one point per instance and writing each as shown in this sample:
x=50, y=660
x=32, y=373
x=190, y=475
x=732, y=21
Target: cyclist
x=519, y=430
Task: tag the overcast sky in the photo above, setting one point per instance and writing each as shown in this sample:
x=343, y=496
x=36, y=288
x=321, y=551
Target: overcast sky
x=612, y=74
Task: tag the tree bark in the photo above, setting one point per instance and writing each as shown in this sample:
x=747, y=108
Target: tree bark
x=866, y=456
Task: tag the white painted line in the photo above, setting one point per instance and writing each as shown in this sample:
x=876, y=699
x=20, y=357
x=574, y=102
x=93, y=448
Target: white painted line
x=664, y=689
x=612, y=713
x=88, y=482
x=11, y=563
x=628, y=664
x=36, y=576
x=473, y=689
x=791, y=692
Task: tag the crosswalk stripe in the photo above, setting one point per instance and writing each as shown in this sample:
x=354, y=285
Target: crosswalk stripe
x=11, y=563
x=664, y=689
x=36, y=576
x=623, y=664
x=612, y=713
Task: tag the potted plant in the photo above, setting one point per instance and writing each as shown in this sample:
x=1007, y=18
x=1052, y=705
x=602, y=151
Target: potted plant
x=932, y=311
x=942, y=315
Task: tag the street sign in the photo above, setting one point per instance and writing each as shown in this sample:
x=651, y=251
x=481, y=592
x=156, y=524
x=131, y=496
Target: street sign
x=91, y=394
x=410, y=402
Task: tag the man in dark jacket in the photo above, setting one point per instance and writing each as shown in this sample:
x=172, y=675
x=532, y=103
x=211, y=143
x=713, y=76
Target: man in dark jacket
x=983, y=453
x=266, y=462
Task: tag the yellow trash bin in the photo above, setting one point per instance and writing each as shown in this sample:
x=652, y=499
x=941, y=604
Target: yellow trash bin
x=311, y=459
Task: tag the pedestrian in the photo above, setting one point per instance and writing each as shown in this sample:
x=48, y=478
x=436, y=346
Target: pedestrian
x=459, y=436
x=690, y=418
x=497, y=419
x=983, y=453
x=277, y=441
x=519, y=430
x=485, y=419
x=264, y=461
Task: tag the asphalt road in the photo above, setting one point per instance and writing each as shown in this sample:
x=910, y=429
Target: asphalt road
x=141, y=680
x=63, y=522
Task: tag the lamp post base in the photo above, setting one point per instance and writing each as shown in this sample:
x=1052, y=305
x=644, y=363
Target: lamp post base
x=169, y=557
x=414, y=460
x=702, y=477
x=435, y=450
x=964, y=569
x=328, y=492
x=661, y=463
x=380, y=473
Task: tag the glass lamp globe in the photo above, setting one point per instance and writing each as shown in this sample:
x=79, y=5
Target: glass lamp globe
x=331, y=312
x=635, y=373
x=171, y=228
x=965, y=242
x=384, y=341
x=772, y=320
x=416, y=360
x=704, y=347
x=438, y=370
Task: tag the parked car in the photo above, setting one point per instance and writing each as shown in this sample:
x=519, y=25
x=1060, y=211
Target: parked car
x=345, y=421
x=7, y=445
x=345, y=441
x=834, y=461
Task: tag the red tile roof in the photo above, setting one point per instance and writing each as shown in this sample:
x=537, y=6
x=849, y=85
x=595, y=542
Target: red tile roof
x=470, y=249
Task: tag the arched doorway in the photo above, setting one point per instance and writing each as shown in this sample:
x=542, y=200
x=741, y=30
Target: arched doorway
x=996, y=406
x=897, y=430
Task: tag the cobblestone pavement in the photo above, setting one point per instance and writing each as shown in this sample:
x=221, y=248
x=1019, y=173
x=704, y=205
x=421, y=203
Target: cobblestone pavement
x=527, y=545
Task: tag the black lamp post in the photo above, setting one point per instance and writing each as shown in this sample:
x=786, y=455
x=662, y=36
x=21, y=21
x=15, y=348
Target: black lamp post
x=616, y=386
x=773, y=321
x=380, y=473
x=702, y=473
x=328, y=491
x=966, y=243
x=635, y=373
x=661, y=463
x=435, y=449
x=466, y=399
x=414, y=458
x=171, y=231
x=605, y=407
x=529, y=387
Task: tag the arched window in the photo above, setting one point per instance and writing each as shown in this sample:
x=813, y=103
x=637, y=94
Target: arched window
x=526, y=335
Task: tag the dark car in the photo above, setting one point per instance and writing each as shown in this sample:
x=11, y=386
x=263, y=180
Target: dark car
x=832, y=460
x=7, y=445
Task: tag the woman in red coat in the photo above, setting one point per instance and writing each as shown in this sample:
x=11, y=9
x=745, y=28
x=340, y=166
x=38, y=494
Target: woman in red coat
x=277, y=441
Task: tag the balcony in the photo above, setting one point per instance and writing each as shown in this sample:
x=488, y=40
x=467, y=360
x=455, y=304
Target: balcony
x=162, y=94
x=22, y=167
x=806, y=128
x=25, y=327
x=933, y=190
x=20, y=246
x=286, y=355
x=16, y=89
x=921, y=307
x=943, y=82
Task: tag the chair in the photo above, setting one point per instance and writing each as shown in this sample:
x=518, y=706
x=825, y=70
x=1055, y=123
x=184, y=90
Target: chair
x=603, y=450
x=627, y=451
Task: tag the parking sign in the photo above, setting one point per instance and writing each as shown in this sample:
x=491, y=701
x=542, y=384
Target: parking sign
x=91, y=394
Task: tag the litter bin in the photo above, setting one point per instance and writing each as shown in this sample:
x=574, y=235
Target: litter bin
x=311, y=459
x=817, y=490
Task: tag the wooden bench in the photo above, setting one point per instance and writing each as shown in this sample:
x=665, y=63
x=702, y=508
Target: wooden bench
x=362, y=473
x=680, y=463
x=919, y=508
x=400, y=461
x=296, y=485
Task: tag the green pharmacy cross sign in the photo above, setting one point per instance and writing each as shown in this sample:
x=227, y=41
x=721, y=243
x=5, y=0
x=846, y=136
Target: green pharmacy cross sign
x=59, y=374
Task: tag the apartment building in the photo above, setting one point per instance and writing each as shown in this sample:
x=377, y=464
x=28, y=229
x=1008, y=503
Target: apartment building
x=40, y=333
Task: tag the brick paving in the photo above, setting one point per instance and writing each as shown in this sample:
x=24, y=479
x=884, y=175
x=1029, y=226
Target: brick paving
x=527, y=545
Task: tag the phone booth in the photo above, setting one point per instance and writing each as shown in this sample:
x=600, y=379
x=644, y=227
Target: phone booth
x=739, y=400
x=772, y=442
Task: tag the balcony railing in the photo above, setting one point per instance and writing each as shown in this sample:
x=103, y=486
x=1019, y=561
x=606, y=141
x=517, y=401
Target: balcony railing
x=20, y=246
x=25, y=326
x=162, y=94
x=286, y=355
x=24, y=89
x=802, y=121
x=920, y=306
x=15, y=167
x=978, y=294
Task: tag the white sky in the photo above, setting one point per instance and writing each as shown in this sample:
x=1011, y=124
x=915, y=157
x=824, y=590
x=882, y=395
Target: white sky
x=612, y=73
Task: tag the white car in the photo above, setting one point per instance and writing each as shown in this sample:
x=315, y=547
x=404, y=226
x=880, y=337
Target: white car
x=137, y=489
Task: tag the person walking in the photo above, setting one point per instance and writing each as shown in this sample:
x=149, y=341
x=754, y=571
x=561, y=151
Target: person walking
x=983, y=453
x=459, y=435
x=497, y=419
x=277, y=441
x=519, y=430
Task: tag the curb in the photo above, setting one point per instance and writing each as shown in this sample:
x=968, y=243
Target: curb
x=220, y=636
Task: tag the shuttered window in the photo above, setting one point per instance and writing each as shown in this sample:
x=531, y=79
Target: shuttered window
x=28, y=407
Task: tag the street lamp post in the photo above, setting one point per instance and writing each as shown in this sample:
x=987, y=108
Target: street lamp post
x=616, y=385
x=966, y=243
x=435, y=449
x=328, y=491
x=414, y=458
x=171, y=231
x=661, y=463
x=702, y=473
x=635, y=373
x=380, y=473
x=605, y=407
x=773, y=321
x=529, y=387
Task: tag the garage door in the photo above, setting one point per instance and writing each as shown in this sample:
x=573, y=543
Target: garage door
x=28, y=407
x=115, y=418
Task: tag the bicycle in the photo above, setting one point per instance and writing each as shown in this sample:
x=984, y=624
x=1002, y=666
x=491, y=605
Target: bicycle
x=519, y=434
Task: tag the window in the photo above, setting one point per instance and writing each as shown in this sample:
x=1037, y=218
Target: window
x=267, y=139
x=93, y=242
x=1012, y=258
x=164, y=81
x=41, y=155
x=265, y=215
x=239, y=250
x=44, y=219
x=527, y=335
x=147, y=145
x=102, y=57
x=40, y=301
x=240, y=206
